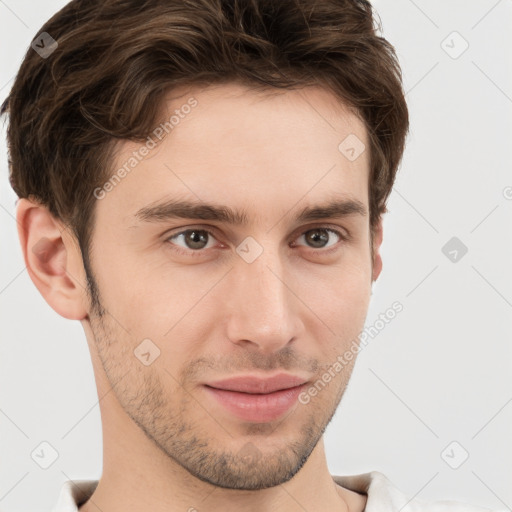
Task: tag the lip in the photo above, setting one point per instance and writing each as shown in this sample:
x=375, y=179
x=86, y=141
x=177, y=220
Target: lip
x=255, y=399
x=255, y=384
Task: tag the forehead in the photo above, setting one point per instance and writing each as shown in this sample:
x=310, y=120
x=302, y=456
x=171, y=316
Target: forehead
x=302, y=114
x=227, y=143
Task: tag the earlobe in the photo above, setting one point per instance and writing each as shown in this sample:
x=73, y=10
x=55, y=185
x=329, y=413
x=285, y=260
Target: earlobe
x=52, y=259
x=377, y=258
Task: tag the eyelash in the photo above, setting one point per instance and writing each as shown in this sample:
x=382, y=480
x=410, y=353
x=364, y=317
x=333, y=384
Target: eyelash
x=200, y=252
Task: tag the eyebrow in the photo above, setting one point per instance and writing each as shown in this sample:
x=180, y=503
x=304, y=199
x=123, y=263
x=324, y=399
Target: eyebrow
x=178, y=209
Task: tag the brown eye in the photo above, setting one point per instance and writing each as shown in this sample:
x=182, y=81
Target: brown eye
x=193, y=240
x=319, y=238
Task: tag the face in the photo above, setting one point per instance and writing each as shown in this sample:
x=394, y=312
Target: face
x=191, y=295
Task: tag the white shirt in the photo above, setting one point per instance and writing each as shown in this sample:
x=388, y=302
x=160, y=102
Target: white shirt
x=383, y=496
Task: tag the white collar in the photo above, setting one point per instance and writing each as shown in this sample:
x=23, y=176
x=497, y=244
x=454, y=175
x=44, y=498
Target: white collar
x=382, y=495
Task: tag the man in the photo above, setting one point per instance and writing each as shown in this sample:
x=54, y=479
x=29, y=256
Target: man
x=202, y=185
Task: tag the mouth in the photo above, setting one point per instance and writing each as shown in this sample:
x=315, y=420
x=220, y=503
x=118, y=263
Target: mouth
x=256, y=400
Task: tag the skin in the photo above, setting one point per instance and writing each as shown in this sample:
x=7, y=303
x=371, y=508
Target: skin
x=167, y=445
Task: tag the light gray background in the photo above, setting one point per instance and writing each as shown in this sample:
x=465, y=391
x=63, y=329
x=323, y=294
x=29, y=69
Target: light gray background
x=439, y=372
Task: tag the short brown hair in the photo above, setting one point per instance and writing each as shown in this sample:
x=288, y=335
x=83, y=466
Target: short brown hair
x=117, y=59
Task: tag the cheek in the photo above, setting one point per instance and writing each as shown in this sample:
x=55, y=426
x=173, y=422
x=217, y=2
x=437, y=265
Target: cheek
x=339, y=290
x=169, y=306
x=340, y=299
x=150, y=294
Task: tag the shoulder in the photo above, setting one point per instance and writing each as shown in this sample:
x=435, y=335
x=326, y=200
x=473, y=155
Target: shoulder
x=383, y=495
x=73, y=493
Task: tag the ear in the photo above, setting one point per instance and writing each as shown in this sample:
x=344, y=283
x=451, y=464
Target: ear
x=377, y=258
x=53, y=259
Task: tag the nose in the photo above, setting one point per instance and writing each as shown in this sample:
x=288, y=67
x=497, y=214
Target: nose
x=263, y=312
